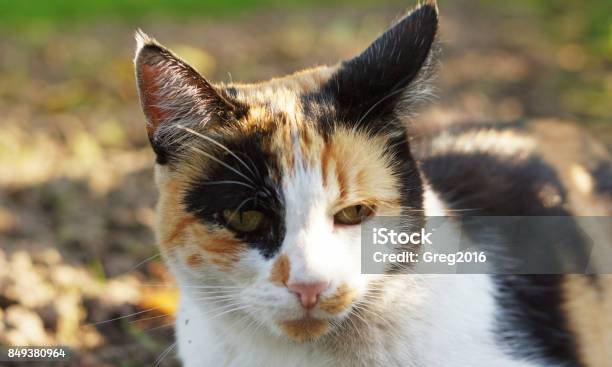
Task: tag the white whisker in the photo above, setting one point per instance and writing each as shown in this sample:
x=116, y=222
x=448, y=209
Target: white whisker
x=123, y=317
x=163, y=355
x=143, y=262
x=229, y=182
x=229, y=311
x=217, y=144
x=217, y=298
x=191, y=286
x=159, y=327
x=221, y=163
x=149, y=318
x=237, y=210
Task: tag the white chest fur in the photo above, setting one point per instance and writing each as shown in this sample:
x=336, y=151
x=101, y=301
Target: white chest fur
x=451, y=325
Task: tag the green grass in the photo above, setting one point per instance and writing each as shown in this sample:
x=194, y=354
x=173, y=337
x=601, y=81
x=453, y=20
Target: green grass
x=588, y=25
x=586, y=22
x=62, y=11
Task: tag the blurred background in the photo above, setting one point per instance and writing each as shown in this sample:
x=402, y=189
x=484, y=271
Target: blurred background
x=77, y=252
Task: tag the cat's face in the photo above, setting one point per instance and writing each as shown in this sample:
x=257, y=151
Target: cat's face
x=263, y=186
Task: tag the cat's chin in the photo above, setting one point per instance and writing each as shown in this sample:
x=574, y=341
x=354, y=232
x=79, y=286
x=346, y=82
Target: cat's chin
x=305, y=329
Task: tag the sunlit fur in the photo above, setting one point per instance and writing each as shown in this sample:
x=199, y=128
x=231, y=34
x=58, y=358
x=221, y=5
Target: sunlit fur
x=318, y=157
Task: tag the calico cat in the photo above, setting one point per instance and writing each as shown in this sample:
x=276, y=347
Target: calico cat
x=263, y=188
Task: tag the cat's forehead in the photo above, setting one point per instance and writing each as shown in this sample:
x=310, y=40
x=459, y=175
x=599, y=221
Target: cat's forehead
x=278, y=120
x=282, y=89
x=283, y=100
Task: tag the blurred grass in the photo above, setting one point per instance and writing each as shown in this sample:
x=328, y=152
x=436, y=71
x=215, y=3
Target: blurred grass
x=586, y=22
x=15, y=13
x=580, y=35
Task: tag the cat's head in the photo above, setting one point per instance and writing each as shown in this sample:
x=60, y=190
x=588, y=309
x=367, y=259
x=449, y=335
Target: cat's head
x=263, y=186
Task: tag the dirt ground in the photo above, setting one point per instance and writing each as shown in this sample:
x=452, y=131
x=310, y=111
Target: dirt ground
x=77, y=251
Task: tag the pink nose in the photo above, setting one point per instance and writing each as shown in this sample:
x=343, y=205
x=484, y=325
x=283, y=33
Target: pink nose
x=308, y=293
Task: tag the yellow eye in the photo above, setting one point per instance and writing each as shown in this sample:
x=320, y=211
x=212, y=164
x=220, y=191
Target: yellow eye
x=243, y=221
x=353, y=214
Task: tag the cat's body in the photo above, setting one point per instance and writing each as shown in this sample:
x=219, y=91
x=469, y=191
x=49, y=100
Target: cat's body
x=262, y=190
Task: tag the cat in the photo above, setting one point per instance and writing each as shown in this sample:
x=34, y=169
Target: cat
x=262, y=190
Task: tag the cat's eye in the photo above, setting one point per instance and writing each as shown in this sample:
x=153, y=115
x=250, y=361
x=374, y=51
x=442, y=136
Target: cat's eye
x=353, y=214
x=244, y=220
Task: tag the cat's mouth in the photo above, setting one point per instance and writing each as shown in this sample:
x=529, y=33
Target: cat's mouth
x=305, y=329
x=308, y=327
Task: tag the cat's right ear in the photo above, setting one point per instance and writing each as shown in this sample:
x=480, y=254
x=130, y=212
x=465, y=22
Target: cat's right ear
x=173, y=96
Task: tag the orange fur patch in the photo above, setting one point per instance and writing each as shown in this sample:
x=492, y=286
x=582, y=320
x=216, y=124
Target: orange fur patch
x=307, y=144
x=325, y=158
x=589, y=310
x=179, y=229
x=342, y=179
x=288, y=154
x=195, y=260
x=339, y=301
x=351, y=166
x=304, y=329
x=221, y=249
x=279, y=274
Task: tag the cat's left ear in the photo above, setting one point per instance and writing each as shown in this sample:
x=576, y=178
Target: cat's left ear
x=392, y=73
x=174, y=95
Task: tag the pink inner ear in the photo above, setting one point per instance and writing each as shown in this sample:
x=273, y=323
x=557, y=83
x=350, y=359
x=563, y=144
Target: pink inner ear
x=150, y=94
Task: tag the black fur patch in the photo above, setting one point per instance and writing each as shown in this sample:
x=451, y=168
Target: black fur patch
x=486, y=184
x=531, y=324
x=411, y=191
x=367, y=88
x=603, y=178
x=209, y=195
